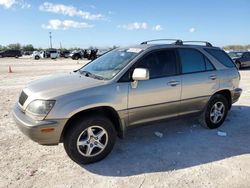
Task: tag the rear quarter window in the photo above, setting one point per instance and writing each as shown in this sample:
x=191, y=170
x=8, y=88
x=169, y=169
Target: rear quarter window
x=221, y=56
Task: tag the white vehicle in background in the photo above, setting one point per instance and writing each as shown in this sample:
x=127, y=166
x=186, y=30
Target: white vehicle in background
x=38, y=55
x=54, y=54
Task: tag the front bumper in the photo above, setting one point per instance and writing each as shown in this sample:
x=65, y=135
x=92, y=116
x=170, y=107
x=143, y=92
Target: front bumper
x=236, y=94
x=36, y=130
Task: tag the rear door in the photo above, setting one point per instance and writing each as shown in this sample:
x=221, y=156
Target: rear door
x=199, y=80
x=158, y=97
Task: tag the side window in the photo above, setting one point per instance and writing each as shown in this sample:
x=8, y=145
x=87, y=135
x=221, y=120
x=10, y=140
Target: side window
x=209, y=66
x=221, y=56
x=160, y=64
x=191, y=61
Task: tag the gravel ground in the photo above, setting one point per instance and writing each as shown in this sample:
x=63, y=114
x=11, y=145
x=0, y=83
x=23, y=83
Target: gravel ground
x=182, y=154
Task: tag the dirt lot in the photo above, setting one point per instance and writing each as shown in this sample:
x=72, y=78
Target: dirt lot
x=186, y=156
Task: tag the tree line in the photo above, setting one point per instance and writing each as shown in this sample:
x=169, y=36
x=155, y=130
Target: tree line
x=30, y=47
x=237, y=47
x=17, y=46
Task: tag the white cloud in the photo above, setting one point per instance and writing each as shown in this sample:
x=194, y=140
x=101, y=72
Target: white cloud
x=191, y=30
x=134, y=26
x=10, y=3
x=25, y=5
x=69, y=11
x=56, y=24
x=7, y=3
x=157, y=28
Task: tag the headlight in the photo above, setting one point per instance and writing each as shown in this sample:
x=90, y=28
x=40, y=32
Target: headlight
x=38, y=109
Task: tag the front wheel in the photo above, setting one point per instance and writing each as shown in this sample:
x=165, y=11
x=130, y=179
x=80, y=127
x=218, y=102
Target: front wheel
x=90, y=139
x=215, y=113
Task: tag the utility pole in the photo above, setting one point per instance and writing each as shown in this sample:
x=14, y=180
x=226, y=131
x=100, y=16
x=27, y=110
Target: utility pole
x=50, y=39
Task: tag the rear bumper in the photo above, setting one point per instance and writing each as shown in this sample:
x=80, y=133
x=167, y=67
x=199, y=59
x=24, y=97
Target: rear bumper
x=236, y=94
x=35, y=130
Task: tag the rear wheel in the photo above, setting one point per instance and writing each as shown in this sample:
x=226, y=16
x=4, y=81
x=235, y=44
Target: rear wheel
x=215, y=113
x=37, y=57
x=90, y=139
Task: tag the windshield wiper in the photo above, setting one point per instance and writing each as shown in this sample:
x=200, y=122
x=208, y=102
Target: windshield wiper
x=91, y=75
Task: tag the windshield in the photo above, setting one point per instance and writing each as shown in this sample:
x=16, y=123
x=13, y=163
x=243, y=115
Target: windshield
x=111, y=63
x=235, y=54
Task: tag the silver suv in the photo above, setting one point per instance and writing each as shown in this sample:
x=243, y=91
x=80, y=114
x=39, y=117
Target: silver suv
x=86, y=109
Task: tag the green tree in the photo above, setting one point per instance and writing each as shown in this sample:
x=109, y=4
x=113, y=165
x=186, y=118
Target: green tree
x=3, y=47
x=28, y=47
x=16, y=46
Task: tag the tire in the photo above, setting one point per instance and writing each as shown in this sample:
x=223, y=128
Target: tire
x=37, y=57
x=79, y=133
x=76, y=57
x=212, y=110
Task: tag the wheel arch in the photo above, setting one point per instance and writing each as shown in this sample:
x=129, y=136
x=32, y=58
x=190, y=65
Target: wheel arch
x=107, y=111
x=227, y=94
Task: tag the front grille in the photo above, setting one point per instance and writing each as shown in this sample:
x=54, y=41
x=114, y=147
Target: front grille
x=23, y=97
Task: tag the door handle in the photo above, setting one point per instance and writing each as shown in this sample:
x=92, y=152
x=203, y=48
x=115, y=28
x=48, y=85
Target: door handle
x=173, y=83
x=212, y=77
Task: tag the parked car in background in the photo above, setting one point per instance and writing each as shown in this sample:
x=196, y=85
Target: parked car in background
x=240, y=58
x=27, y=53
x=65, y=53
x=88, y=108
x=76, y=54
x=54, y=54
x=11, y=53
x=39, y=55
x=86, y=53
x=93, y=54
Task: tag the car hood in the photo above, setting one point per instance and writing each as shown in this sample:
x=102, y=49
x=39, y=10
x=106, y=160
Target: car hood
x=60, y=84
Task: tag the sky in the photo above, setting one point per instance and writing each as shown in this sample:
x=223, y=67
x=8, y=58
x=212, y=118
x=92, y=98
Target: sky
x=99, y=23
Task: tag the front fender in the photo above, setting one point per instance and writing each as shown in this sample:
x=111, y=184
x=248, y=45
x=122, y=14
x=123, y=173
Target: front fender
x=113, y=95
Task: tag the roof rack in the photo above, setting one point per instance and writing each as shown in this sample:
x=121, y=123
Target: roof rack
x=177, y=41
x=208, y=44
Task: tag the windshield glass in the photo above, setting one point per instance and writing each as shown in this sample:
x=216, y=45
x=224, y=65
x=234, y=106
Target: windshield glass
x=111, y=63
x=235, y=54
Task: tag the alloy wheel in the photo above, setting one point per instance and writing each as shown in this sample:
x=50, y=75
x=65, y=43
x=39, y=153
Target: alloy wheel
x=92, y=141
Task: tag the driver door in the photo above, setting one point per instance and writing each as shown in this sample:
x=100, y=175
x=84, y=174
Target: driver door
x=159, y=97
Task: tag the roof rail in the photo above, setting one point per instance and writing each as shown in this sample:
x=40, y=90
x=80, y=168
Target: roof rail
x=177, y=41
x=208, y=44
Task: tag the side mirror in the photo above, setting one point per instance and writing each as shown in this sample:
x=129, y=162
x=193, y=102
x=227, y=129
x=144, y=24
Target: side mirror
x=140, y=74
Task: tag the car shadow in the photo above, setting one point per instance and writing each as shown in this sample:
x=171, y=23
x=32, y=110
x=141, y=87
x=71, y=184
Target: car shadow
x=184, y=144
